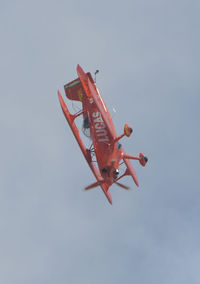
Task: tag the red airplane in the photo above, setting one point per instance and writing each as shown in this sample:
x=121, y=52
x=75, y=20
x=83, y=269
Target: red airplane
x=98, y=126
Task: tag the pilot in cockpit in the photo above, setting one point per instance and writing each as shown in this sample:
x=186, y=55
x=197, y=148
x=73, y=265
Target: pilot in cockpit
x=86, y=123
x=86, y=126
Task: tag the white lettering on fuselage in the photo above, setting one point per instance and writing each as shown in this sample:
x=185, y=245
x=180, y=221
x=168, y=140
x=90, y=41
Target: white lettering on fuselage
x=100, y=127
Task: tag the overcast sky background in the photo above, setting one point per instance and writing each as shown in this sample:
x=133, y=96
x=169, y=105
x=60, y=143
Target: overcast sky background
x=148, y=56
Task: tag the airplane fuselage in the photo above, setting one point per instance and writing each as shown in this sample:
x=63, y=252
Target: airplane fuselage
x=108, y=152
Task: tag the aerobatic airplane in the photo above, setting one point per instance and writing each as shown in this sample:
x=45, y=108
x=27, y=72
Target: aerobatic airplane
x=105, y=154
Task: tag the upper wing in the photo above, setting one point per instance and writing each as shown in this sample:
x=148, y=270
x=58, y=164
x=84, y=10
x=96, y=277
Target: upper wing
x=93, y=94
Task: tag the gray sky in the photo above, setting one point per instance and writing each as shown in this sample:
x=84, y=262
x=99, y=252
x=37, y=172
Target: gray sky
x=148, y=56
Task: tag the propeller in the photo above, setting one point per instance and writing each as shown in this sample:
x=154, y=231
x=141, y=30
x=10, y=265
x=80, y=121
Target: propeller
x=93, y=185
x=122, y=185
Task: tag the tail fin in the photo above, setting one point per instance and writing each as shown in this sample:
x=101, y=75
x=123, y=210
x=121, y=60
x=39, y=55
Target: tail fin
x=74, y=90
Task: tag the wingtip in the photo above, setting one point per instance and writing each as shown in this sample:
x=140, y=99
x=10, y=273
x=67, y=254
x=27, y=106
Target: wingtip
x=62, y=103
x=78, y=68
x=59, y=94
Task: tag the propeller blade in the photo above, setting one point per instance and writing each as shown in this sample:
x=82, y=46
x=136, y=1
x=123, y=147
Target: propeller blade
x=92, y=185
x=122, y=185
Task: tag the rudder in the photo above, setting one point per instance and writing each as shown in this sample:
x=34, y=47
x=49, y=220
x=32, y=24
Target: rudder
x=74, y=90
